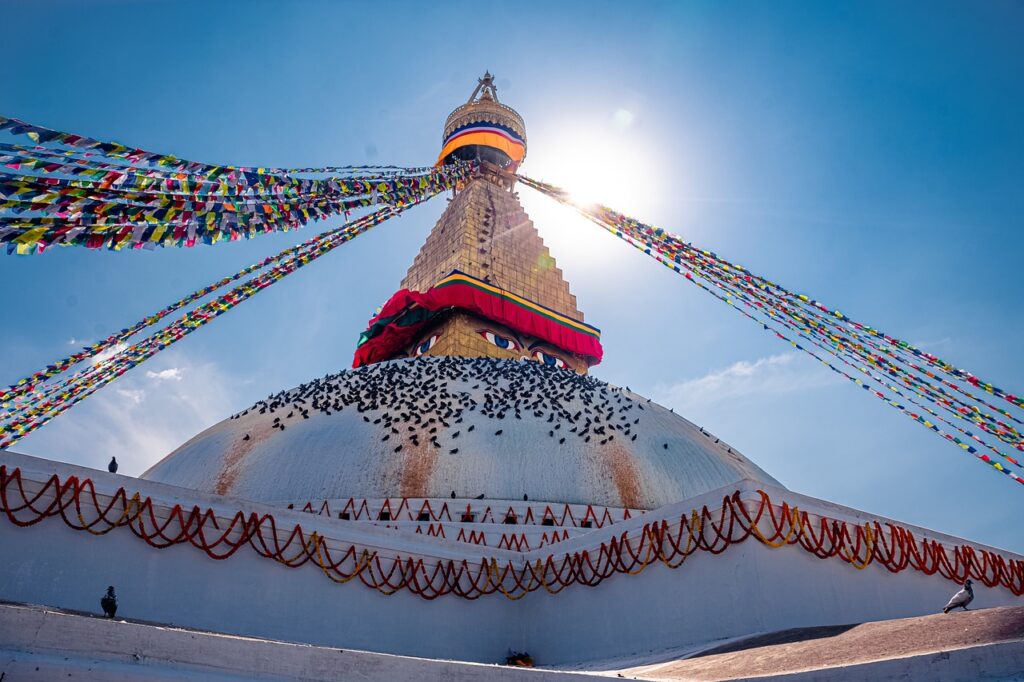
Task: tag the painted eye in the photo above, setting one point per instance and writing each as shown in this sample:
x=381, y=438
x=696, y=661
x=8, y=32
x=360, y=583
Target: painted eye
x=498, y=340
x=549, y=360
x=427, y=345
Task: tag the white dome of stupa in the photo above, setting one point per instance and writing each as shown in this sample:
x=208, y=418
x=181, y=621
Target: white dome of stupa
x=430, y=426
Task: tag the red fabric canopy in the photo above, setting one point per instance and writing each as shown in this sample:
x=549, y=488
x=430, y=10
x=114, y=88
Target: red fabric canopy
x=407, y=312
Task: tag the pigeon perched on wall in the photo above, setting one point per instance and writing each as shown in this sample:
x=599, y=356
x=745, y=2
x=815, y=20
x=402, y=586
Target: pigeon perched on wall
x=961, y=599
x=109, y=603
x=112, y=467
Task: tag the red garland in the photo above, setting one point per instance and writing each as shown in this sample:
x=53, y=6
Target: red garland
x=894, y=547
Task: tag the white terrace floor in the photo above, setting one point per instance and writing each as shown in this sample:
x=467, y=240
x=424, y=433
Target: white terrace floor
x=39, y=643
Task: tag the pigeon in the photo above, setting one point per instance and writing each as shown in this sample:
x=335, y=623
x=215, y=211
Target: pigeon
x=112, y=467
x=525, y=498
x=453, y=494
x=109, y=603
x=480, y=496
x=961, y=599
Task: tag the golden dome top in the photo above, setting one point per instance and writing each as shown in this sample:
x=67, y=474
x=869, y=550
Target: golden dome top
x=483, y=106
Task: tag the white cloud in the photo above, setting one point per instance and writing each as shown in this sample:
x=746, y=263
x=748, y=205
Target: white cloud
x=165, y=374
x=134, y=396
x=932, y=343
x=773, y=375
x=108, y=353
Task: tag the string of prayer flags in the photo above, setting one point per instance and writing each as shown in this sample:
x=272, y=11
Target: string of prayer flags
x=35, y=400
x=20, y=420
x=943, y=398
x=29, y=384
x=70, y=190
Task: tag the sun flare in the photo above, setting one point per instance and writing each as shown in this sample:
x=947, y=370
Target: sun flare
x=602, y=167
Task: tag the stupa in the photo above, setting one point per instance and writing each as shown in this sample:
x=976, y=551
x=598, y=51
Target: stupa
x=483, y=350
x=477, y=489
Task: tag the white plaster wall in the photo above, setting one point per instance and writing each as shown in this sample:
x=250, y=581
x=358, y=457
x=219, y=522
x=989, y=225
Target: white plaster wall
x=50, y=563
x=246, y=594
x=750, y=588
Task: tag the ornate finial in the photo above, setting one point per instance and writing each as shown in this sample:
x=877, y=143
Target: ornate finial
x=483, y=128
x=486, y=88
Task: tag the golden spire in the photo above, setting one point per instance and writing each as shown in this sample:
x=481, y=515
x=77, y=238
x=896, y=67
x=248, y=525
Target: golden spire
x=484, y=284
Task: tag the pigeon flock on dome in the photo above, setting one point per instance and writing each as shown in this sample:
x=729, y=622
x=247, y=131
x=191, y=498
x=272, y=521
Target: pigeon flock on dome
x=426, y=425
x=470, y=406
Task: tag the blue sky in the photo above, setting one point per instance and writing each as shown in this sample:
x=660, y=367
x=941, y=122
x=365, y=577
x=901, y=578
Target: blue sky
x=869, y=154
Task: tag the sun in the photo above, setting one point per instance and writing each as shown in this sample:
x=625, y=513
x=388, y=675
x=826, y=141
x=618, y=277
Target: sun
x=587, y=177
x=598, y=167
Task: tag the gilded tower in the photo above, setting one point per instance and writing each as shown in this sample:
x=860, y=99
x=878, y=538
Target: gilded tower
x=484, y=283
